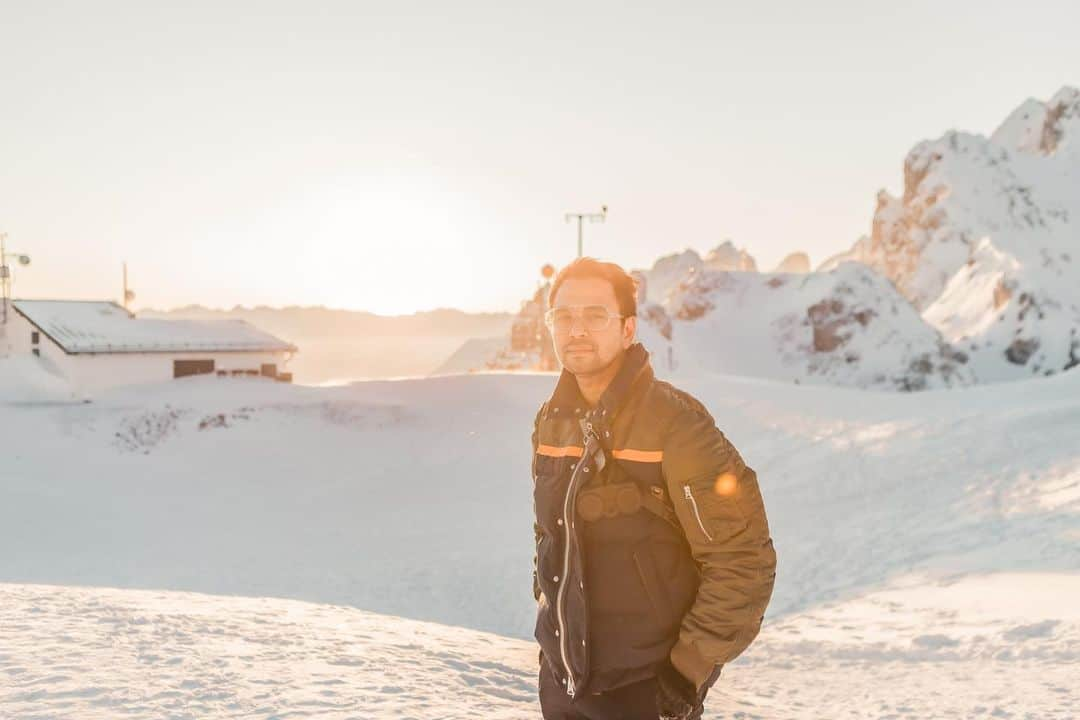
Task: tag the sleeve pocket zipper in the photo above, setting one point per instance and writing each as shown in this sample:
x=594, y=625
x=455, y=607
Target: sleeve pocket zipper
x=697, y=515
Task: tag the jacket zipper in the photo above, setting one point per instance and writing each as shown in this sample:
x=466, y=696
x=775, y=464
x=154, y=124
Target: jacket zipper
x=566, y=569
x=693, y=504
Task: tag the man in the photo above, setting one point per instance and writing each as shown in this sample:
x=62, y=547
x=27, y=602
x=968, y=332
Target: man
x=653, y=562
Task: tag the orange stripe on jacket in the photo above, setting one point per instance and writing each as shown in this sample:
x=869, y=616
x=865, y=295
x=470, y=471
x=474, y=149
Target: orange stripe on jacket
x=553, y=451
x=638, y=455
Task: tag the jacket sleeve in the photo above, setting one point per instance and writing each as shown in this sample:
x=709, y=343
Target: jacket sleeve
x=536, y=527
x=719, y=506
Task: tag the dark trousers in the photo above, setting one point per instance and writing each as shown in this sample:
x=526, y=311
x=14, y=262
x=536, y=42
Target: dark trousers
x=636, y=701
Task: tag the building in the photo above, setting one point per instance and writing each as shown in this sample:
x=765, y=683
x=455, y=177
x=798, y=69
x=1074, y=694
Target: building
x=97, y=345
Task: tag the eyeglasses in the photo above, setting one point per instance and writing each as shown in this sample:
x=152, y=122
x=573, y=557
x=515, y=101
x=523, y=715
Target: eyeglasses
x=594, y=318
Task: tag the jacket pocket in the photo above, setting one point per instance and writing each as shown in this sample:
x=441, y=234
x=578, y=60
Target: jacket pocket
x=654, y=586
x=713, y=509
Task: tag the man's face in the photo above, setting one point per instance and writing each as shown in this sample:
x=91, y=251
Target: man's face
x=583, y=351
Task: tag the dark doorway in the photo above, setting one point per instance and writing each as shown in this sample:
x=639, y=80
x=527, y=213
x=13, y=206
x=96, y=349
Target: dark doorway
x=183, y=368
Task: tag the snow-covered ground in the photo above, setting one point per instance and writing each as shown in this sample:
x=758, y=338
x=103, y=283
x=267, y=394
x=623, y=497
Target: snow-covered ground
x=929, y=550
x=959, y=650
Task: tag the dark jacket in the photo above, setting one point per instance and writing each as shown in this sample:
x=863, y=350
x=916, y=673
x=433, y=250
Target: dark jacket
x=651, y=535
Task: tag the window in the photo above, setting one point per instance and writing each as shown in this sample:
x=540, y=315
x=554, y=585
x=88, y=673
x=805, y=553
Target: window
x=268, y=370
x=183, y=368
x=37, y=351
x=35, y=337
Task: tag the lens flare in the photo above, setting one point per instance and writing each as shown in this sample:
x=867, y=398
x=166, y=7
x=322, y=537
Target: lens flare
x=726, y=484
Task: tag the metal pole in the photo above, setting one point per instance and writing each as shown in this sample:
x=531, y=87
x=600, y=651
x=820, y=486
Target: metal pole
x=4, y=273
x=581, y=218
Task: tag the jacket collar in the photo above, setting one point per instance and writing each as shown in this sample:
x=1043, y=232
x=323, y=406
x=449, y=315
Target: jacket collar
x=568, y=401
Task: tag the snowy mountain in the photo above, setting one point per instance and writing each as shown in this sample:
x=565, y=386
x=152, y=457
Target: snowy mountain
x=796, y=262
x=844, y=327
x=928, y=564
x=727, y=257
x=985, y=240
x=670, y=270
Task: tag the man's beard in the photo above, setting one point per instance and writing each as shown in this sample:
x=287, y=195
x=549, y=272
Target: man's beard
x=595, y=371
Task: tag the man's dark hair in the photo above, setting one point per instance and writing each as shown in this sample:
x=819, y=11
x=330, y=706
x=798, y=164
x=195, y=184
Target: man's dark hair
x=621, y=281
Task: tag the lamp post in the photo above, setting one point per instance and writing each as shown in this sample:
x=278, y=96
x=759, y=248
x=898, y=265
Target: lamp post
x=5, y=272
x=581, y=218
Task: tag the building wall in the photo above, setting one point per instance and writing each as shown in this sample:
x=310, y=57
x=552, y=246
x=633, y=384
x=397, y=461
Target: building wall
x=90, y=374
x=93, y=373
x=15, y=335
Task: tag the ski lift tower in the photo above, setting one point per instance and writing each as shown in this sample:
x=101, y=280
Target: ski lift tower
x=582, y=217
x=5, y=273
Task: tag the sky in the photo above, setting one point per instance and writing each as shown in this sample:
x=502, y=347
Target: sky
x=402, y=156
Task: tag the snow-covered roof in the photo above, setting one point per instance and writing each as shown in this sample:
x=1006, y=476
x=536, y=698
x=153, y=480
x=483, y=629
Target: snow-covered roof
x=106, y=327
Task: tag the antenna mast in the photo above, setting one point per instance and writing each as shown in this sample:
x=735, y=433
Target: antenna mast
x=5, y=273
x=581, y=217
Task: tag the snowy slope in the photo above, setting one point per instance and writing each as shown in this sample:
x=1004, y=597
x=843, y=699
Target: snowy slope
x=473, y=354
x=903, y=526
x=796, y=262
x=919, y=650
x=845, y=327
x=33, y=380
x=102, y=654
x=984, y=240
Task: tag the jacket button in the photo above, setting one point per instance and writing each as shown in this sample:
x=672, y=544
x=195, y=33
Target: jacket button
x=555, y=579
x=556, y=632
x=586, y=470
x=572, y=465
x=559, y=521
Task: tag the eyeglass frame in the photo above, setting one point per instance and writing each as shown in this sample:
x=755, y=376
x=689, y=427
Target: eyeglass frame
x=549, y=320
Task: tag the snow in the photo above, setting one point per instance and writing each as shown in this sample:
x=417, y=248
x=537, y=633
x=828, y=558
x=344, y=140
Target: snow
x=101, y=654
x=670, y=270
x=105, y=327
x=847, y=327
x=949, y=650
x=28, y=379
x=473, y=354
x=928, y=549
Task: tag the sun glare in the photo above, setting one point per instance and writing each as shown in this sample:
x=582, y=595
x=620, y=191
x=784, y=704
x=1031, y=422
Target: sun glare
x=388, y=244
